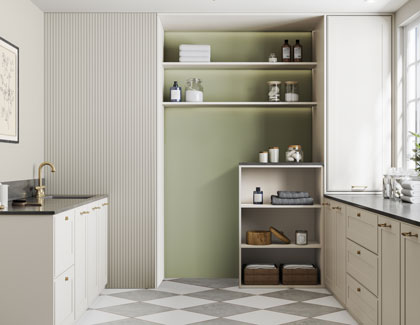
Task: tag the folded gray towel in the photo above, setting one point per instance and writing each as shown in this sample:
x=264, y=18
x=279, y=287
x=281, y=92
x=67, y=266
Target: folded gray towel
x=275, y=200
x=292, y=194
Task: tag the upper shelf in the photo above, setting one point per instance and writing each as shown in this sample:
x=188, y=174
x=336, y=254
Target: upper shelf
x=239, y=104
x=238, y=65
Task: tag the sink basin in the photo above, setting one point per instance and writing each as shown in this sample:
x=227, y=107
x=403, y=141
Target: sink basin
x=74, y=197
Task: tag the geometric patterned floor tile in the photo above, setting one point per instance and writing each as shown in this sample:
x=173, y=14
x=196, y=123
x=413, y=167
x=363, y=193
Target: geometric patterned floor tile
x=179, y=288
x=318, y=290
x=342, y=317
x=219, y=295
x=92, y=317
x=209, y=283
x=221, y=309
x=265, y=317
x=136, y=309
x=325, y=301
x=129, y=321
x=114, y=291
x=314, y=321
x=304, y=309
x=143, y=295
x=180, y=302
x=176, y=317
x=297, y=295
x=221, y=321
x=253, y=291
x=260, y=302
x=108, y=301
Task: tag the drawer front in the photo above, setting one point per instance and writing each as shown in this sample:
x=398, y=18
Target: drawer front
x=361, y=303
x=64, y=298
x=362, y=228
x=363, y=266
x=63, y=241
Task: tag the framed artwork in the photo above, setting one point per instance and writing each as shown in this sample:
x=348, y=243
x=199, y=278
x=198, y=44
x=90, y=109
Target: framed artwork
x=9, y=92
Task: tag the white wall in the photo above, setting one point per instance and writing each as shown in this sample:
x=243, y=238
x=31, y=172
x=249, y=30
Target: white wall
x=22, y=24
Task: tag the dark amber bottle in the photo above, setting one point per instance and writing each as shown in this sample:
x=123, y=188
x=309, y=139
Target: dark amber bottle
x=297, y=52
x=286, y=51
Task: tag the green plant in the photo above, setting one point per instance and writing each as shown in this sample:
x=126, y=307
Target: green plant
x=416, y=157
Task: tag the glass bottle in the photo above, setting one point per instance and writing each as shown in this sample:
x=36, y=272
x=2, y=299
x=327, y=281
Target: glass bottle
x=175, y=92
x=297, y=52
x=286, y=50
x=258, y=196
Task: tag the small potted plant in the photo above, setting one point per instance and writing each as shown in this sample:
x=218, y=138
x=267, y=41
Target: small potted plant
x=416, y=156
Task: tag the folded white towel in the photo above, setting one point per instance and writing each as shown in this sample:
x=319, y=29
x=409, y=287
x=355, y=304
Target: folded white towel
x=261, y=266
x=194, y=58
x=194, y=47
x=412, y=193
x=194, y=53
x=411, y=185
x=410, y=199
x=298, y=266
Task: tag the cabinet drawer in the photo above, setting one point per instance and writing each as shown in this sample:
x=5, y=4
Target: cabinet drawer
x=63, y=241
x=362, y=228
x=363, y=266
x=64, y=298
x=361, y=303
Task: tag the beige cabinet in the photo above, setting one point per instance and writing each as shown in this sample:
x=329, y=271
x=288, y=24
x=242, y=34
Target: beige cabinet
x=410, y=271
x=335, y=248
x=389, y=264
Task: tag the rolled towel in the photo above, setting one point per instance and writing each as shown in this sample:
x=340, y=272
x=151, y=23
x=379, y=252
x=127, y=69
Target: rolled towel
x=410, y=199
x=411, y=185
x=411, y=193
x=194, y=59
x=298, y=266
x=194, y=53
x=275, y=200
x=261, y=266
x=194, y=47
x=292, y=194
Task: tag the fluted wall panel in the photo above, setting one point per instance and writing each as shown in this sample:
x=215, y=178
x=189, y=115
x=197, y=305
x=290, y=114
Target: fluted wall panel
x=100, y=127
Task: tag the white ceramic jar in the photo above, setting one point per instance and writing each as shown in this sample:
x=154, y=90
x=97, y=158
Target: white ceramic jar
x=274, y=154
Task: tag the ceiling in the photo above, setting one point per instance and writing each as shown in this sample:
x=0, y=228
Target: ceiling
x=168, y=6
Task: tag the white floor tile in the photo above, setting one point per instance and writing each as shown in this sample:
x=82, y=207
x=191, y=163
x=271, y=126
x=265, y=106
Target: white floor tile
x=260, y=302
x=180, y=288
x=176, y=317
x=329, y=301
x=92, y=317
x=108, y=301
x=265, y=317
x=113, y=291
x=253, y=291
x=317, y=290
x=180, y=302
x=342, y=317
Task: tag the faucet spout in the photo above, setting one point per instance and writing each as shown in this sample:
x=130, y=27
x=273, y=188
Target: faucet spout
x=40, y=192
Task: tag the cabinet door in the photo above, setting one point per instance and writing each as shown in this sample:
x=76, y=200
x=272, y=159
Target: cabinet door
x=358, y=101
x=340, y=278
x=63, y=241
x=92, y=254
x=410, y=270
x=104, y=244
x=64, y=298
x=389, y=257
x=80, y=266
x=330, y=246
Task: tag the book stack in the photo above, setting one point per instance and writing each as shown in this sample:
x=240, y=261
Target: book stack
x=194, y=53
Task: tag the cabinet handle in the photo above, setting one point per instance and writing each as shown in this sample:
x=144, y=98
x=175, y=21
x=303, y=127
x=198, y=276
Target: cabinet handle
x=358, y=289
x=66, y=278
x=84, y=212
x=409, y=234
x=103, y=204
x=336, y=208
x=358, y=214
x=384, y=225
x=358, y=252
x=66, y=218
x=325, y=203
x=96, y=208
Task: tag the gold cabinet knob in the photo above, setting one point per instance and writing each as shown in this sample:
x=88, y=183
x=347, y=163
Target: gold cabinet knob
x=336, y=208
x=103, y=204
x=358, y=252
x=358, y=289
x=358, y=214
x=66, y=218
x=66, y=278
x=84, y=212
x=96, y=208
x=325, y=203
x=384, y=225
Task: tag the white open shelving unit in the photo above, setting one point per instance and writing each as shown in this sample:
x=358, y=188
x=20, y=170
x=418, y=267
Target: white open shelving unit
x=239, y=104
x=271, y=178
x=239, y=65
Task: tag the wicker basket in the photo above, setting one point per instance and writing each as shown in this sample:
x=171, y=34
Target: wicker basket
x=261, y=276
x=300, y=276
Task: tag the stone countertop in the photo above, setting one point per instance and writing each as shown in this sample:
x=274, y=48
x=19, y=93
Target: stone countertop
x=393, y=208
x=58, y=204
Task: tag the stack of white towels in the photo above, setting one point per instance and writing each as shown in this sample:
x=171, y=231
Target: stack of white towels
x=194, y=53
x=411, y=191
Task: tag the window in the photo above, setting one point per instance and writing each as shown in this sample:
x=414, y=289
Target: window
x=412, y=90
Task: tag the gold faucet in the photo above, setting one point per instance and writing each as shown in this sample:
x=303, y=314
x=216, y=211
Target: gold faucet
x=40, y=189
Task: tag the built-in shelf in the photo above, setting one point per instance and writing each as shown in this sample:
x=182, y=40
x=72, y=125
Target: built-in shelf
x=240, y=104
x=311, y=244
x=271, y=206
x=238, y=65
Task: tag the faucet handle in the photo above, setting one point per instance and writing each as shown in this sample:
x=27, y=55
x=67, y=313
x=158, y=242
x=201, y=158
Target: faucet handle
x=39, y=187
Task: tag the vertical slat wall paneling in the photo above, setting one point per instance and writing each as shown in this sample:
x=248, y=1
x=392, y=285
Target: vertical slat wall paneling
x=100, y=127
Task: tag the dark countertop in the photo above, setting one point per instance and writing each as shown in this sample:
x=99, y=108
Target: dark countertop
x=393, y=208
x=58, y=204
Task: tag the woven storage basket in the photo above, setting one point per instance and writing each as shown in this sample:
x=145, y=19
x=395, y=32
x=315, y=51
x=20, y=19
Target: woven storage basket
x=261, y=276
x=300, y=276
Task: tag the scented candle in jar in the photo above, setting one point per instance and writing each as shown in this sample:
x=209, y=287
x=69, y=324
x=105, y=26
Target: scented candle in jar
x=263, y=157
x=273, y=153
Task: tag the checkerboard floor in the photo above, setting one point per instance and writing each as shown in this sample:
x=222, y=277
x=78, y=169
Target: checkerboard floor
x=215, y=301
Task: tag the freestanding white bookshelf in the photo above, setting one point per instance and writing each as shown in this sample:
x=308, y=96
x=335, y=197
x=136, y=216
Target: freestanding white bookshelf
x=273, y=177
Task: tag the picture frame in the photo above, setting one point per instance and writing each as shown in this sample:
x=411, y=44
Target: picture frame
x=9, y=92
